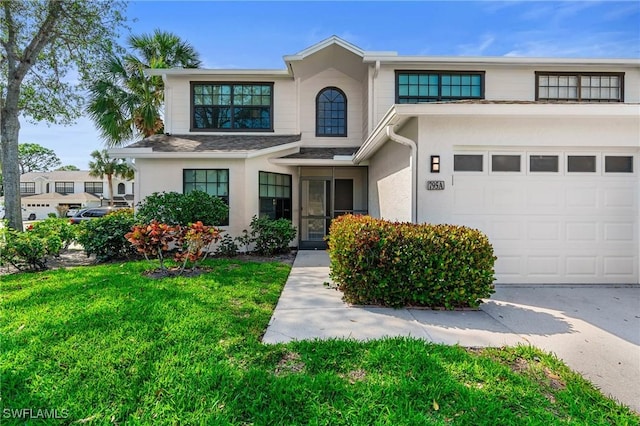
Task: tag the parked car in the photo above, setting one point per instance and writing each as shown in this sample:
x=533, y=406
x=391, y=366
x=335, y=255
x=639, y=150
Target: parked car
x=26, y=214
x=90, y=213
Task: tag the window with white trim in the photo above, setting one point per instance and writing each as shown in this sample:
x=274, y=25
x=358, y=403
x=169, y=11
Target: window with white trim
x=581, y=163
x=618, y=164
x=506, y=163
x=468, y=162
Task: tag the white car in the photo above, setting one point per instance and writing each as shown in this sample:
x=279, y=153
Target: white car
x=26, y=214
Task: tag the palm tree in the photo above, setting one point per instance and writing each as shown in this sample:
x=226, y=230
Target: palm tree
x=123, y=102
x=103, y=166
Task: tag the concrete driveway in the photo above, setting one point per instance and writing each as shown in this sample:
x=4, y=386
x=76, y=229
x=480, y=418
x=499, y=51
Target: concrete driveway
x=595, y=330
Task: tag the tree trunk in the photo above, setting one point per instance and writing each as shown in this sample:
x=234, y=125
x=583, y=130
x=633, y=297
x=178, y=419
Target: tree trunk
x=110, y=184
x=9, y=128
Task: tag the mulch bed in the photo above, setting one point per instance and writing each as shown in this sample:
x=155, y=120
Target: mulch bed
x=77, y=257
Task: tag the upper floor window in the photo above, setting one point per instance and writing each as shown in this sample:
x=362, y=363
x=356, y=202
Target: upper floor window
x=64, y=187
x=581, y=87
x=331, y=112
x=93, y=187
x=232, y=106
x=27, y=187
x=414, y=87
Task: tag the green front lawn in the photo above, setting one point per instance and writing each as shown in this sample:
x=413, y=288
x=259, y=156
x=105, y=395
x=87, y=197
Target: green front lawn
x=107, y=345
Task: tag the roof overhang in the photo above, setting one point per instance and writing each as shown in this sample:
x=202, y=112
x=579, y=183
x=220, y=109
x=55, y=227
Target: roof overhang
x=337, y=160
x=202, y=72
x=399, y=114
x=373, y=57
x=149, y=153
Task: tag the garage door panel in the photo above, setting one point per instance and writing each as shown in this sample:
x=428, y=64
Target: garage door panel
x=548, y=230
x=509, y=267
x=581, y=197
x=505, y=230
x=544, y=197
x=623, y=267
x=543, y=266
x=581, y=231
x=621, y=231
x=469, y=199
x=581, y=266
x=615, y=198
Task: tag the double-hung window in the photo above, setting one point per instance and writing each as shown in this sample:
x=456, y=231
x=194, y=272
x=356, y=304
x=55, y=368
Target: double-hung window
x=212, y=181
x=579, y=87
x=232, y=106
x=414, y=87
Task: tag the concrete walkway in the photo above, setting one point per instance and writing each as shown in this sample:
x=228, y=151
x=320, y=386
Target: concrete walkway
x=595, y=330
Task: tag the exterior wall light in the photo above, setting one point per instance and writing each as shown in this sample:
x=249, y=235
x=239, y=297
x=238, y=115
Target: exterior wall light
x=435, y=164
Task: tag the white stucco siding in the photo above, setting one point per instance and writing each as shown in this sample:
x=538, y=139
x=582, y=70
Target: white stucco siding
x=545, y=227
x=390, y=183
x=309, y=89
x=252, y=206
x=501, y=82
x=156, y=175
x=178, y=115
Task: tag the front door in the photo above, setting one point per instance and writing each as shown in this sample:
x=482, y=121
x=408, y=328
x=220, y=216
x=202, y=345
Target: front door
x=315, y=212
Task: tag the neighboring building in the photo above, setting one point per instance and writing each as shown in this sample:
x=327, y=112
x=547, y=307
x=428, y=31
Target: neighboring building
x=42, y=192
x=540, y=154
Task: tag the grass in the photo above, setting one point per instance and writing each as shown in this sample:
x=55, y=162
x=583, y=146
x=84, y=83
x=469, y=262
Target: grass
x=107, y=345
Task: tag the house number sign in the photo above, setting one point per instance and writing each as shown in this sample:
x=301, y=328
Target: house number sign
x=435, y=185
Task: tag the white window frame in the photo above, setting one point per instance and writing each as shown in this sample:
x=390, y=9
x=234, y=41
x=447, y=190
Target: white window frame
x=561, y=164
x=596, y=154
x=485, y=163
x=620, y=154
x=523, y=167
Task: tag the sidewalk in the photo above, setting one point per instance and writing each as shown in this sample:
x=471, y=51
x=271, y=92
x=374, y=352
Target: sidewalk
x=594, y=329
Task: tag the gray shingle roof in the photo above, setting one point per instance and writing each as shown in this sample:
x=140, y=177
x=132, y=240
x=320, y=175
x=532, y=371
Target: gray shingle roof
x=321, y=153
x=213, y=143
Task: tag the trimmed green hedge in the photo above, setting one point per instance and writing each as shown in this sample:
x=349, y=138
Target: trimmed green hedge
x=374, y=261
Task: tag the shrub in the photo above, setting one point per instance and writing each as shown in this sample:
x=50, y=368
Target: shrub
x=271, y=236
x=55, y=226
x=105, y=236
x=402, y=264
x=227, y=247
x=173, y=208
x=244, y=240
x=154, y=239
x=192, y=243
x=28, y=251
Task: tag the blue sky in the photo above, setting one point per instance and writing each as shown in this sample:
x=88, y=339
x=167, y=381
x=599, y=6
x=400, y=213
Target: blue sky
x=257, y=34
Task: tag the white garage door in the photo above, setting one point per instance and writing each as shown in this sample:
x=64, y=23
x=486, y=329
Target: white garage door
x=553, y=217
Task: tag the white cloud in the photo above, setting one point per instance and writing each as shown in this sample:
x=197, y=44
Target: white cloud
x=478, y=48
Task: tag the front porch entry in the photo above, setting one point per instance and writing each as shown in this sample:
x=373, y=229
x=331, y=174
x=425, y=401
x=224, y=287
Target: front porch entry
x=326, y=193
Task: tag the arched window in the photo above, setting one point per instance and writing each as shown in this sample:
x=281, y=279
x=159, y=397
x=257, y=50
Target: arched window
x=331, y=112
x=121, y=189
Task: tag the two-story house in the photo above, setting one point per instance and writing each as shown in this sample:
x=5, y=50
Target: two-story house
x=43, y=192
x=540, y=154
